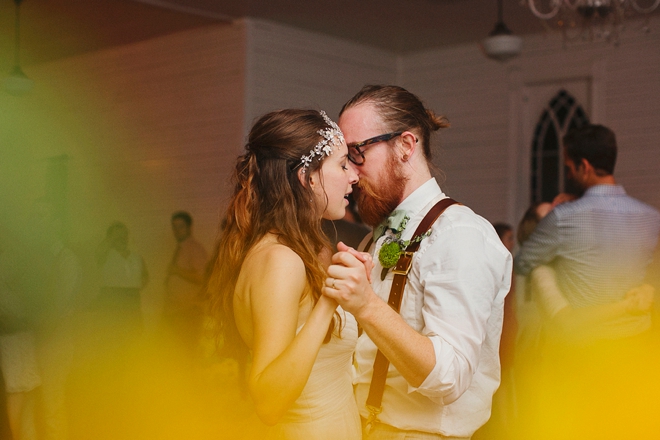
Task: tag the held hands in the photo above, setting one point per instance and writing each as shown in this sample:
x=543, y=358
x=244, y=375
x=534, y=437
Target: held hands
x=349, y=281
x=639, y=300
x=364, y=257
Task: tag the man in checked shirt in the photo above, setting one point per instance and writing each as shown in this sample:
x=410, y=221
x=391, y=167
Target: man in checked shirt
x=599, y=247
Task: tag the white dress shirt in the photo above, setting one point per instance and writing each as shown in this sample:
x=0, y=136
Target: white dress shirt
x=118, y=271
x=455, y=296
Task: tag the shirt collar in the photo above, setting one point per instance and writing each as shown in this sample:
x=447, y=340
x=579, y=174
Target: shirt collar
x=605, y=190
x=412, y=204
x=419, y=198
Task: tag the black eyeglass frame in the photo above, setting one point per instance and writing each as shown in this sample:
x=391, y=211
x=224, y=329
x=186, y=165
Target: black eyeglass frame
x=370, y=141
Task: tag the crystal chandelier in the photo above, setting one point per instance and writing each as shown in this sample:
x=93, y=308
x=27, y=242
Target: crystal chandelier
x=590, y=19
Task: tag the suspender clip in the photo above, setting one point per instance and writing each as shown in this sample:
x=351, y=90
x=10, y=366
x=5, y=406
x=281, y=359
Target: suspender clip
x=373, y=418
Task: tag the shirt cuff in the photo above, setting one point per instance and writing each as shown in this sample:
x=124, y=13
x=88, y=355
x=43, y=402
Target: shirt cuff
x=441, y=385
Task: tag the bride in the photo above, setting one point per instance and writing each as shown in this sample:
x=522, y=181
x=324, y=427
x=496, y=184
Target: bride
x=265, y=287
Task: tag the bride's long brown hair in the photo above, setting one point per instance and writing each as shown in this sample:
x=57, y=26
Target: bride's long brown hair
x=269, y=198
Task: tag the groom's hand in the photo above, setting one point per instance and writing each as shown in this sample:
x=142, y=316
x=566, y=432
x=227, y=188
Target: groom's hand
x=364, y=257
x=348, y=283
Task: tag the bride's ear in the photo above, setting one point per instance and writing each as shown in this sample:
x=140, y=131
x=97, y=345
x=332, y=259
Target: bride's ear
x=302, y=176
x=313, y=177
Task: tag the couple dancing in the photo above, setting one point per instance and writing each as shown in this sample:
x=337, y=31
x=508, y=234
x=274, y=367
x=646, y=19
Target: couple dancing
x=291, y=307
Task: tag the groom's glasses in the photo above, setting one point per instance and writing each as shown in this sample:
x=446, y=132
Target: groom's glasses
x=356, y=149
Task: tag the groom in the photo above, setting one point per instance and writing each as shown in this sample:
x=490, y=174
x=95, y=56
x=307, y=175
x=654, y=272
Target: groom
x=443, y=346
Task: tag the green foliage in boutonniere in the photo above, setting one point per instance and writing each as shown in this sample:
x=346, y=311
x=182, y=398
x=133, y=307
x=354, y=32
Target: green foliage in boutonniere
x=392, y=245
x=389, y=254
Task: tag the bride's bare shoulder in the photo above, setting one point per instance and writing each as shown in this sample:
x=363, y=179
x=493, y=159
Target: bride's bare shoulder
x=269, y=288
x=270, y=263
x=270, y=251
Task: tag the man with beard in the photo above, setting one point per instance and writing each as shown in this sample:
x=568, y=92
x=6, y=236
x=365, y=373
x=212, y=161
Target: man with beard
x=443, y=346
x=600, y=247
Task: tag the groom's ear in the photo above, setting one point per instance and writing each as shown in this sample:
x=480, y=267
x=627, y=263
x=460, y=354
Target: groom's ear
x=407, y=145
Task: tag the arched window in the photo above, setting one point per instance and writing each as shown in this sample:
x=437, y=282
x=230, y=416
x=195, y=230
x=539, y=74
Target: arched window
x=561, y=115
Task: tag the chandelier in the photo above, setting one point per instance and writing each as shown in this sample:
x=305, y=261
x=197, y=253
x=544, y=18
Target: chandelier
x=590, y=19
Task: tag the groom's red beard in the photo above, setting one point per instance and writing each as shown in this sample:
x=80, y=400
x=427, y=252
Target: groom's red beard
x=378, y=199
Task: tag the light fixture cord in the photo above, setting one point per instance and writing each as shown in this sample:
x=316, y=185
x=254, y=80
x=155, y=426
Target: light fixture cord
x=500, y=27
x=17, y=48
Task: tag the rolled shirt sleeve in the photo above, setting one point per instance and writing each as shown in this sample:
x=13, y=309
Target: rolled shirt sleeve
x=463, y=275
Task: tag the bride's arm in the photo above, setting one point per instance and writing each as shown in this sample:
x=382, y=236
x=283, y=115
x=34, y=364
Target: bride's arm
x=566, y=319
x=282, y=359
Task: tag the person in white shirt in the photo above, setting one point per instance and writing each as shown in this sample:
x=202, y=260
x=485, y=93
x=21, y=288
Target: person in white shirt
x=123, y=275
x=443, y=346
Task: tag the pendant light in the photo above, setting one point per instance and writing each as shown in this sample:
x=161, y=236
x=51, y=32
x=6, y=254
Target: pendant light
x=501, y=44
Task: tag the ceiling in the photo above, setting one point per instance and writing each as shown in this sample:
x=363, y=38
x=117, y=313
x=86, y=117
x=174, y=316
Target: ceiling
x=52, y=29
x=396, y=25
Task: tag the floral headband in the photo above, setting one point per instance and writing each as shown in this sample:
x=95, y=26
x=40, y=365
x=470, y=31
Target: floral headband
x=332, y=136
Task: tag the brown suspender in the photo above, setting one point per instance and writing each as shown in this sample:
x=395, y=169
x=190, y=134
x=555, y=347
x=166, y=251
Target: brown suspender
x=381, y=364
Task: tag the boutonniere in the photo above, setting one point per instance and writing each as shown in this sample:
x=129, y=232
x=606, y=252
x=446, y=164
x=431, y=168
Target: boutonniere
x=393, y=246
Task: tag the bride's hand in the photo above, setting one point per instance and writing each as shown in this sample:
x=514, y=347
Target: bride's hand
x=364, y=257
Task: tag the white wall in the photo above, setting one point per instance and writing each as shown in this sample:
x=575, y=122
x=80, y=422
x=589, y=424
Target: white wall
x=472, y=93
x=288, y=67
x=485, y=155
x=149, y=128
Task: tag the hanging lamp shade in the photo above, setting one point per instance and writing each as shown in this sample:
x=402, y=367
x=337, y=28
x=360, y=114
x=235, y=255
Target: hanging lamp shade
x=17, y=83
x=501, y=44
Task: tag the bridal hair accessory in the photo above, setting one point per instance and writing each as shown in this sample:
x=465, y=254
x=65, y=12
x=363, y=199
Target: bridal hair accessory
x=332, y=136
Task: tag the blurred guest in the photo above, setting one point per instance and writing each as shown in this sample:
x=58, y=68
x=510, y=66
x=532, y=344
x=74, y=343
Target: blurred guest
x=561, y=320
x=123, y=276
x=52, y=314
x=18, y=358
x=599, y=246
x=185, y=276
x=505, y=232
x=552, y=318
